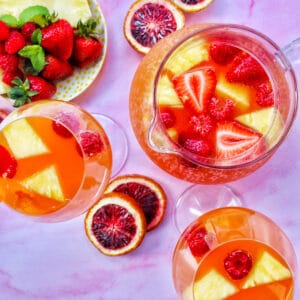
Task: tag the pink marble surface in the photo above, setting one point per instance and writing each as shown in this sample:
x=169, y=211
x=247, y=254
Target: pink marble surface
x=56, y=261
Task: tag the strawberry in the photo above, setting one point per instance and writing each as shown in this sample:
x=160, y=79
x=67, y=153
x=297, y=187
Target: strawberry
x=195, y=88
x=4, y=31
x=9, y=62
x=220, y=110
x=90, y=142
x=2, y=48
x=8, y=164
x=222, y=53
x=57, y=39
x=246, y=69
x=201, y=124
x=168, y=118
x=56, y=69
x=265, y=95
x=233, y=139
x=43, y=88
x=15, y=42
x=87, y=47
x=196, y=240
x=27, y=30
x=9, y=76
x=3, y=114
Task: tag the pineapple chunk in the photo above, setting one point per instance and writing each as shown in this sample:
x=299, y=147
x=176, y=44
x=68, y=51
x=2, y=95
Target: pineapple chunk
x=45, y=183
x=4, y=88
x=166, y=94
x=261, y=120
x=213, y=286
x=23, y=140
x=173, y=134
x=187, y=57
x=238, y=93
x=71, y=10
x=266, y=270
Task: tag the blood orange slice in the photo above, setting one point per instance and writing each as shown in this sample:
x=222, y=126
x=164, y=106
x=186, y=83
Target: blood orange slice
x=146, y=192
x=148, y=21
x=115, y=224
x=192, y=5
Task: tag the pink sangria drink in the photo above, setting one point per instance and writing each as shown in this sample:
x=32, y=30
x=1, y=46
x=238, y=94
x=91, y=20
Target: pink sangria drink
x=211, y=103
x=234, y=254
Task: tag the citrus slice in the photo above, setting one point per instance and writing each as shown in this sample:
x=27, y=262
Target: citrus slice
x=192, y=5
x=148, y=21
x=146, y=192
x=115, y=224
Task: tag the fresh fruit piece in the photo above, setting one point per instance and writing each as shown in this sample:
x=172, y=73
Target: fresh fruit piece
x=201, y=124
x=9, y=62
x=222, y=53
x=173, y=134
x=196, y=239
x=240, y=94
x=22, y=139
x=238, y=264
x=267, y=269
x=65, y=123
x=187, y=57
x=192, y=5
x=57, y=39
x=166, y=94
x=27, y=30
x=3, y=114
x=245, y=69
x=220, y=110
x=8, y=77
x=167, y=118
x=56, y=69
x=196, y=145
x=195, y=88
x=46, y=183
x=233, y=139
x=91, y=142
x=4, y=31
x=8, y=164
x=15, y=42
x=149, y=195
x=265, y=95
x=115, y=224
x=213, y=286
x=148, y=21
x=87, y=47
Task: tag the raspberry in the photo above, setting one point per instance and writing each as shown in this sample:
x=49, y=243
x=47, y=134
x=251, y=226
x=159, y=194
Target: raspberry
x=28, y=29
x=167, y=118
x=220, y=110
x=265, y=95
x=4, y=31
x=202, y=124
x=222, y=53
x=15, y=42
x=199, y=146
x=197, y=242
x=8, y=164
x=65, y=124
x=90, y=142
x=238, y=264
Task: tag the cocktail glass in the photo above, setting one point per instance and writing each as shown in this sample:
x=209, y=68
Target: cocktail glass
x=56, y=160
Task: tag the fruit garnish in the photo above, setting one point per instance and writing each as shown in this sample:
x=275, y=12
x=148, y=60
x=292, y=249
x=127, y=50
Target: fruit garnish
x=245, y=69
x=4, y=31
x=90, y=142
x=192, y=5
x=115, y=224
x=201, y=124
x=46, y=183
x=27, y=30
x=267, y=269
x=167, y=118
x=265, y=95
x=8, y=164
x=220, y=110
x=196, y=240
x=148, y=21
x=196, y=145
x=222, y=53
x=238, y=264
x=65, y=123
x=22, y=139
x=9, y=63
x=195, y=88
x=233, y=139
x=149, y=195
x=213, y=286
x=15, y=42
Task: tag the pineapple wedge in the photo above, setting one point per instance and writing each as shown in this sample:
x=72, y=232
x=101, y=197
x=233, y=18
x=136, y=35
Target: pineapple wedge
x=166, y=94
x=71, y=10
x=267, y=270
x=45, y=183
x=23, y=140
x=213, y=286
x=238, y=93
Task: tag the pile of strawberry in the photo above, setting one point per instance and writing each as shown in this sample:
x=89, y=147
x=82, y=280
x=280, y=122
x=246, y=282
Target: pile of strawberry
x=43, y=50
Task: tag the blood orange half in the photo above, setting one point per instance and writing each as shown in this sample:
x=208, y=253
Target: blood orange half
x=115, y=224
x=146, y=192
x=192, y=5
x=148, y=21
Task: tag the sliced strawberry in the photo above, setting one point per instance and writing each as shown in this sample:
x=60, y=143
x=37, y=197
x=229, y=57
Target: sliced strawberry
x=8, y=164
x=265, y=95
x=233, y=138
x=202, y=124
x=196, y=240
x=222, y=53
x=195, y=88
x=220, y=110
x=245, y=69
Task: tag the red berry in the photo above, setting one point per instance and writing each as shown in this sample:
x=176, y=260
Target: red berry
x=28, y=29
x=65, y=124
x=3, y=114
x=44, y=88
x=9, y=62
x=90, y=142
x=220, y=110
x=9, y=76
x=2, y=49
x=196, y=239
x=168, y=118
x=238, y=264
x=199, y=146
x=222, y=53
x=4, y=31
x=265, y=95
x=15, y=42
x=8, y=164
x=202, y=124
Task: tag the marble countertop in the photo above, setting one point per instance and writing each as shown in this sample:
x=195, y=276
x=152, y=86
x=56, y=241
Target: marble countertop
x=56, y=261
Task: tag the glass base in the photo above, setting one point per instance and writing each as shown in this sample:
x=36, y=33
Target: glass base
x=117, y=139
x=198, y=199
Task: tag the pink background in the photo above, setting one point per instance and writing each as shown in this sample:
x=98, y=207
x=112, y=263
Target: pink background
x=56, y=261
